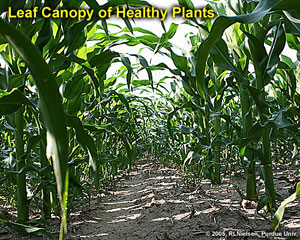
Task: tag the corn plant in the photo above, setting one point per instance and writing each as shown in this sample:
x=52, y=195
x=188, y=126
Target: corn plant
x=69, y=126
x=229, y=59
x=72, y=72
x=258, y=28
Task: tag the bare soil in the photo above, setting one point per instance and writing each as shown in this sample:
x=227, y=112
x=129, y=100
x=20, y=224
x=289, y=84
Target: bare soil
x=155, y=204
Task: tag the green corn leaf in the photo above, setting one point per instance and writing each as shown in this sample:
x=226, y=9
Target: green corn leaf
x=139, y=83
x=166, y=37
x=180, y=62
x=287, y=5
x=145, y=65
x=25, y=229
x=277, y=47
x=52, y=3
x=60, y=59
x=185, y=130
x=72, y=4
x=173, y=87
x=132, y=3
x=171, y=114
x=128, y=146
x=10, y=102
x=76, y=36
x=243, y=144
x=16, y=80
x=127, y=63
x=93, y=4
x=280, y=211
x=74, y=105
x=103, y=58
x=128, y=24
x=104, y=25
x=98, y=84
x=98, y=128
x=220, y=25
x=124, y=101
x=220, y=56
x=186, y=3
x=291, y=27
x=31, y=143
x=74, y=87
x=258, y=97
x=51, y=110
x=293, y=19
x=4, y=5
x=45, y=34
x=259, y=55
x=262, y=202
x=293, y=42
x=18, y=5
x=88, y=142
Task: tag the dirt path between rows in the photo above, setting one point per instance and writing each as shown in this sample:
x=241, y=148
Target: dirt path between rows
x=154, y=204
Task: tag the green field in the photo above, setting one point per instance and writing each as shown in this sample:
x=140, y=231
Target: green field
x=89, y=97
